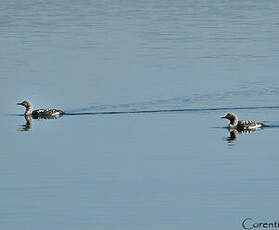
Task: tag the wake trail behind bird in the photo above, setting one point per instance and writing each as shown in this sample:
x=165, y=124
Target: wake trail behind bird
x=171, y=110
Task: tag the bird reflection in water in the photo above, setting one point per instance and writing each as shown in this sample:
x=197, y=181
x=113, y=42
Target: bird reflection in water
x=234, y=134
x=28, y=126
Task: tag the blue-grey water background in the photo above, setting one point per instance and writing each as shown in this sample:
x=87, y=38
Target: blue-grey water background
x=187, y=63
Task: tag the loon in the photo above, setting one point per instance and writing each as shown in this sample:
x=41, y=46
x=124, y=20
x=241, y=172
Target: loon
x=40, y=113
x=242, y=125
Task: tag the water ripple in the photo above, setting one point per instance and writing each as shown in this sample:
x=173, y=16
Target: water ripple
x=172, y=110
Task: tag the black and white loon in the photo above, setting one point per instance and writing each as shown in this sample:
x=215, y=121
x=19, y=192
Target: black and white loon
x=40, y=113
x=242, y=125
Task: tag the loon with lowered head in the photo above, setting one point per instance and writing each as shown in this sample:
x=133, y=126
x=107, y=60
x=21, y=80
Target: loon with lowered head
x=40, y=113
x=242, y=125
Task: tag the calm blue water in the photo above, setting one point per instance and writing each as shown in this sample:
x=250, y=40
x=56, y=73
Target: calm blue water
x=144, y=84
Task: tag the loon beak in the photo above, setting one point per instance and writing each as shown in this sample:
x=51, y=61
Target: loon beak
x=19, y=103
x=223, y=117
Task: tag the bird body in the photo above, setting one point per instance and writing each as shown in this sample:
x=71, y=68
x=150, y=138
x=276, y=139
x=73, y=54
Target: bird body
x=242, y=124
x=40, y=113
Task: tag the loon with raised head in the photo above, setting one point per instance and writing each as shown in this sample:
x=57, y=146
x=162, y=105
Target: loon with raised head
x=40, y=113
x=242, y=125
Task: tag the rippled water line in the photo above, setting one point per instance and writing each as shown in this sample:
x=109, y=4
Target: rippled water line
x=195, y=99
x=172, y=110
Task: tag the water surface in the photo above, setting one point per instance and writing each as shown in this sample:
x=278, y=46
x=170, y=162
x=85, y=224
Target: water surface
x=144, y=85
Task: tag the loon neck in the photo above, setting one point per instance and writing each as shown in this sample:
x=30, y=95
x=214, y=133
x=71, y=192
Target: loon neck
x=234, y=121
x=28, y=110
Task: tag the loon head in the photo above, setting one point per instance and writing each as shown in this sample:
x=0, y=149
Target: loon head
x=231, y=117
x=28, y=105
